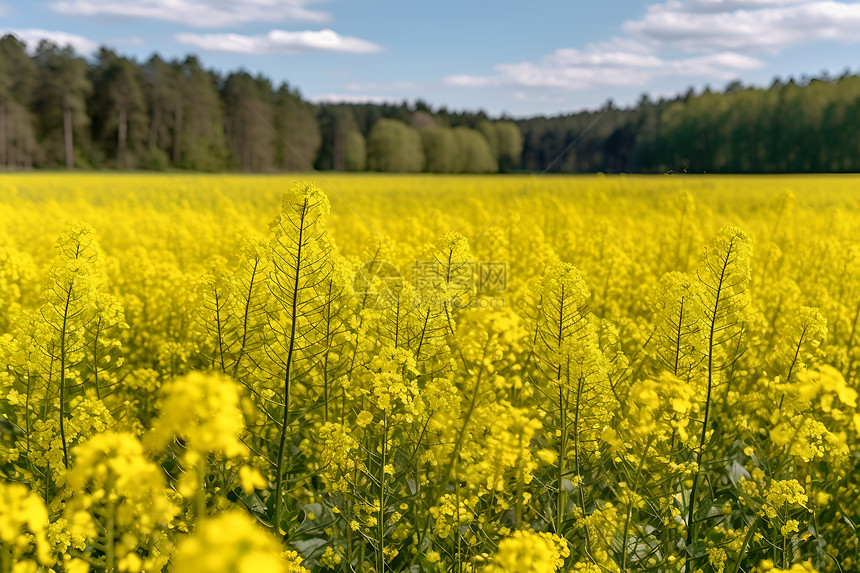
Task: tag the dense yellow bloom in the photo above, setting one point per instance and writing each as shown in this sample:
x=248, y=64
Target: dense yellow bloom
x=800, y=341
x=450, y=513
x=338, y=455
x=203, y=410
x=417, y=374
x=680, y=336
x=233, y=543
x=529, y=552
x=386, y=387
x=509, y=433
x=113, y=483
x=782, y=493
x=112, y=467
x=767, y=566
x=660, y=409
x=23, y=522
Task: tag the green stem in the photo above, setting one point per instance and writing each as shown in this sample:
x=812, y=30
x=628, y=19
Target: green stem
x=453, y=460
x=247, y=313
x=691, y=524
x=518, y=507
x=5, y=559
x=561, y=499
x=624, y=538
x=750, y=533
x=200, y=498
x=96, y=359
x=63, y=378
x=282, y=446
x=380, y=520
x=110, y=542
x=459, y=559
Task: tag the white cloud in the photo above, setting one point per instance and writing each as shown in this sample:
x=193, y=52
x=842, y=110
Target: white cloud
x=466, y=81
x=727, y=5
x=357, y=99
x=701, y=39
x=698, y=26
x=197, y=13
x=606, y=65
x=32, y=36
x=279, y=42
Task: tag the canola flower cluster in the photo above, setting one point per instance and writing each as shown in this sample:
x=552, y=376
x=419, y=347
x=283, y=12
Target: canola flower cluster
x=235, y=374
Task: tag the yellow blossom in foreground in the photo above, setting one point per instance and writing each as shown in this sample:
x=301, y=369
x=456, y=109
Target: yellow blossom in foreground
x=251, y=479
x=767, y=566
x=529, y=552
x=114, y=483
x=581, y=567
x=23, y=520
x=411, y=420
x=233, y=543
x=783, y=493
x=204, y=410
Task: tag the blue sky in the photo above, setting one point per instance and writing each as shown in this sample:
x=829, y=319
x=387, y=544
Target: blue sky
x=505, y=57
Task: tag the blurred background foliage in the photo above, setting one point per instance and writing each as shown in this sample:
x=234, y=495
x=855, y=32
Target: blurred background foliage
x=58, y=109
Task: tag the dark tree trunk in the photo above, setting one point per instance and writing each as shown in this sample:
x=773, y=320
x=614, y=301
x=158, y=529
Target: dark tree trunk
x=122, y=136
x=177, y=133
x=153, y=126
x=339, y=152
x=67, y=133
x=4, y=159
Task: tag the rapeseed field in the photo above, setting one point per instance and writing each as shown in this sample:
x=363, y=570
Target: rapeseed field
x=416, y=373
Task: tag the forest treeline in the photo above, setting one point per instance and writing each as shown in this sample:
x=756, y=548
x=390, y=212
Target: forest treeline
x=58, y=109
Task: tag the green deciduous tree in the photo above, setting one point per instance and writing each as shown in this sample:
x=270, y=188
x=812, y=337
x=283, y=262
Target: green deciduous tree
x=60, y=103
x=393, y=146
x=356, y=152
x=200, y=142
x=17, y=82
x=473, y=152
x=163, y=96
x=118, y=107
x=440, y=149
x=296, y=124
x=510, y=144
x=248, y=121
x=505, y=140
